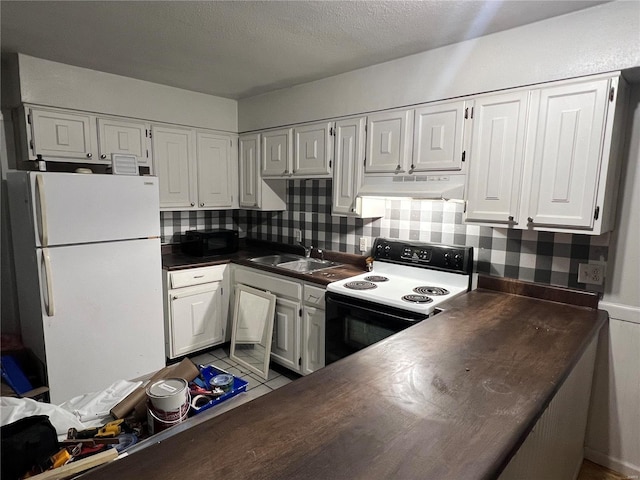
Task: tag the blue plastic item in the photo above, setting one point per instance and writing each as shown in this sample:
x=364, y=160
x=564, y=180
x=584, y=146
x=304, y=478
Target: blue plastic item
x=13, y=375
x=207, y=373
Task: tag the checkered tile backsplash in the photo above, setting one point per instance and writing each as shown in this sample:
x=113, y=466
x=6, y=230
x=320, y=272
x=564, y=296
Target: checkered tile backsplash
x=542, y=257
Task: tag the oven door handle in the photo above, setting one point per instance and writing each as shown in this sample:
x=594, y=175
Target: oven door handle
x=369, y=310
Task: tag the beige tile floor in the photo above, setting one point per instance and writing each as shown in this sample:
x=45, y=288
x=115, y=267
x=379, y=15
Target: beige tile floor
x=257, y=386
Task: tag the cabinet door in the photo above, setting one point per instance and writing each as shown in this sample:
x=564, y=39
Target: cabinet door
x=214, y=170
x=63, y=135
x=438, y=137
x=497, y=153
x=348, y=170
x=196, y=322
x=276, y=153
x=312, y=150
x=249, y=171
x=567, y=154
x=389, y=142
x=173, y=164
x=313, y=333
x=285, y=347
x=126, y=137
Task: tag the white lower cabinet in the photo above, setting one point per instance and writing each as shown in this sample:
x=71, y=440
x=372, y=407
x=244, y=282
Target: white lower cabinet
x=195, y=308
x=298, y=327
x=313, y=329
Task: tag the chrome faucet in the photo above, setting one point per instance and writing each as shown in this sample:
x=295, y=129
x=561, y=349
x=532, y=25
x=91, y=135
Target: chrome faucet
x=321, y=253
x=307, y=251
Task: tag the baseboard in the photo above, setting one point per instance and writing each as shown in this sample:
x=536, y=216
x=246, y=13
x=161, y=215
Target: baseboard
x=625, y=468
x=618, y=311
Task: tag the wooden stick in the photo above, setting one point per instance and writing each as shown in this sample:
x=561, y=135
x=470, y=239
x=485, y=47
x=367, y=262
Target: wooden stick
x=77, y=467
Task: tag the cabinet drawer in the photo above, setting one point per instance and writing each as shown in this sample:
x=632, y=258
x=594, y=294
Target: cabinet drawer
x=314, y=296
x=274, y=284
x=196, y=276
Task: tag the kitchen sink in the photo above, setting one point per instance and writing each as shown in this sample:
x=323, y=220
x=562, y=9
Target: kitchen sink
x=295, y=263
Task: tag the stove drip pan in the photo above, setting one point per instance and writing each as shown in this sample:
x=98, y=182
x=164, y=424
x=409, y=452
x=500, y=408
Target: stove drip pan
x=417, y=299
x=360, y=285
x=376, y=278
x=431, y=291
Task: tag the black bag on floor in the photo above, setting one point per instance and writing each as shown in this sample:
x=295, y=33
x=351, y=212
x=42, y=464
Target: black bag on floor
x=26, y=443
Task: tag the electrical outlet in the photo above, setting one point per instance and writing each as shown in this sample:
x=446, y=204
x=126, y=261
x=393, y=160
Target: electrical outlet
x=591, y=273
x=364, y=244
x=297, y=234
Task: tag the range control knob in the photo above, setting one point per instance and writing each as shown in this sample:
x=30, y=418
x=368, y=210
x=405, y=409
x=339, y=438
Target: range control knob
x=447, y=258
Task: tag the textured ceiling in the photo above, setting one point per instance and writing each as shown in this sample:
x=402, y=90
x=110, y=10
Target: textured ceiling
x=237, y=49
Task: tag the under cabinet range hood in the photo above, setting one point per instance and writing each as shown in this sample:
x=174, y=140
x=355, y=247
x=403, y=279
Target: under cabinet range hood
x=443, y=186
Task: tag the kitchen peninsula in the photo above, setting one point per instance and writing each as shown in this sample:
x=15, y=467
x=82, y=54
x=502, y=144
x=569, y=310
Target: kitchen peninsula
x=453, y=397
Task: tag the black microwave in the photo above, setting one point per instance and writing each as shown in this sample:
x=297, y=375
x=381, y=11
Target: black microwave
x=207, y=243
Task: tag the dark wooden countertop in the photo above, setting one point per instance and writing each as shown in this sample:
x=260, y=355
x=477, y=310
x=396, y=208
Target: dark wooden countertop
x=452, y=397
x=351, y=264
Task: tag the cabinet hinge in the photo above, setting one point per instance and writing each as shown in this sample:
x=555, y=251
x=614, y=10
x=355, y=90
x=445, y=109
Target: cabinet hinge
x=466, y=112
x=465, y=207
x=471, y=112
x=365, y=161
x=300, y=312
x=596, y=214
x=29, y=118
x=31, y=144
x=147, y=153
x=146, y=132
x=365, y=128
x=464, y=155
x=331, y=131
x=329, y=163
x=300, y=361
x=221, y=291
x=150, y=134
x=612, y=94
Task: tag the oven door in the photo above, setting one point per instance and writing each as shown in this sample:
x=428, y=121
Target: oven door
x=353, y=324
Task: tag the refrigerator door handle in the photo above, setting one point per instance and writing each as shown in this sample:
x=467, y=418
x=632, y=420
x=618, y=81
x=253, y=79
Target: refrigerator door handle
x=48, y=280
x=41, y=211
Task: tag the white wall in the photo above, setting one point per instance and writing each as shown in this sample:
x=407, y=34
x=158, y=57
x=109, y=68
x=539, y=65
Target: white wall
x=595, y=40
x=613, y=436
x=56, y=84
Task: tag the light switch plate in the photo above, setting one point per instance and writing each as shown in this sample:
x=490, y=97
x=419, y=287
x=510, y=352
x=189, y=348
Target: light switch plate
x=297, y=234
x=364, y=244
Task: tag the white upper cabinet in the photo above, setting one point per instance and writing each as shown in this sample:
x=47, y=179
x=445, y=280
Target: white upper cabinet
x=389, y=142
x=61, y=135
x=173, y=155
x=567, y=153
x=555, y=169
x=276, y=153
x=347, y=176
x=256, y=193
x=125, y=137
x=438, y=137
x=496, y=158
x=81, y=137
x=313, y=150
x=216, y=178
x=249, y=170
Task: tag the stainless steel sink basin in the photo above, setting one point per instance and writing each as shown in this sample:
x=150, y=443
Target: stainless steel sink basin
x=296, y=263
x=274, y=260
x=307, y=265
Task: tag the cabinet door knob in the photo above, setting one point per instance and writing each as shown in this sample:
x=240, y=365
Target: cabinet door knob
x=397, y=167
x=530, y=220
x=202, y=204
x=89, y=155
x=193, y=204
x=174, y=298
x=511, y=218
x=103, y=156
x=353, y=209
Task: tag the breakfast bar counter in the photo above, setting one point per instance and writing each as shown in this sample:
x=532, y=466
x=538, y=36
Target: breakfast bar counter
x=452, y=397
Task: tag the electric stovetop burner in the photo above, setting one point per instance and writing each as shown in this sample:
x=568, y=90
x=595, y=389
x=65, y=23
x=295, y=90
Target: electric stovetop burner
x=429, y=290
x=376, y=278
x=360, y=285
x=417, y=298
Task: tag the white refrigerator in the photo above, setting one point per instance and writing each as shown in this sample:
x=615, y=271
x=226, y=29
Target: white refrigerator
x=89, y=276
